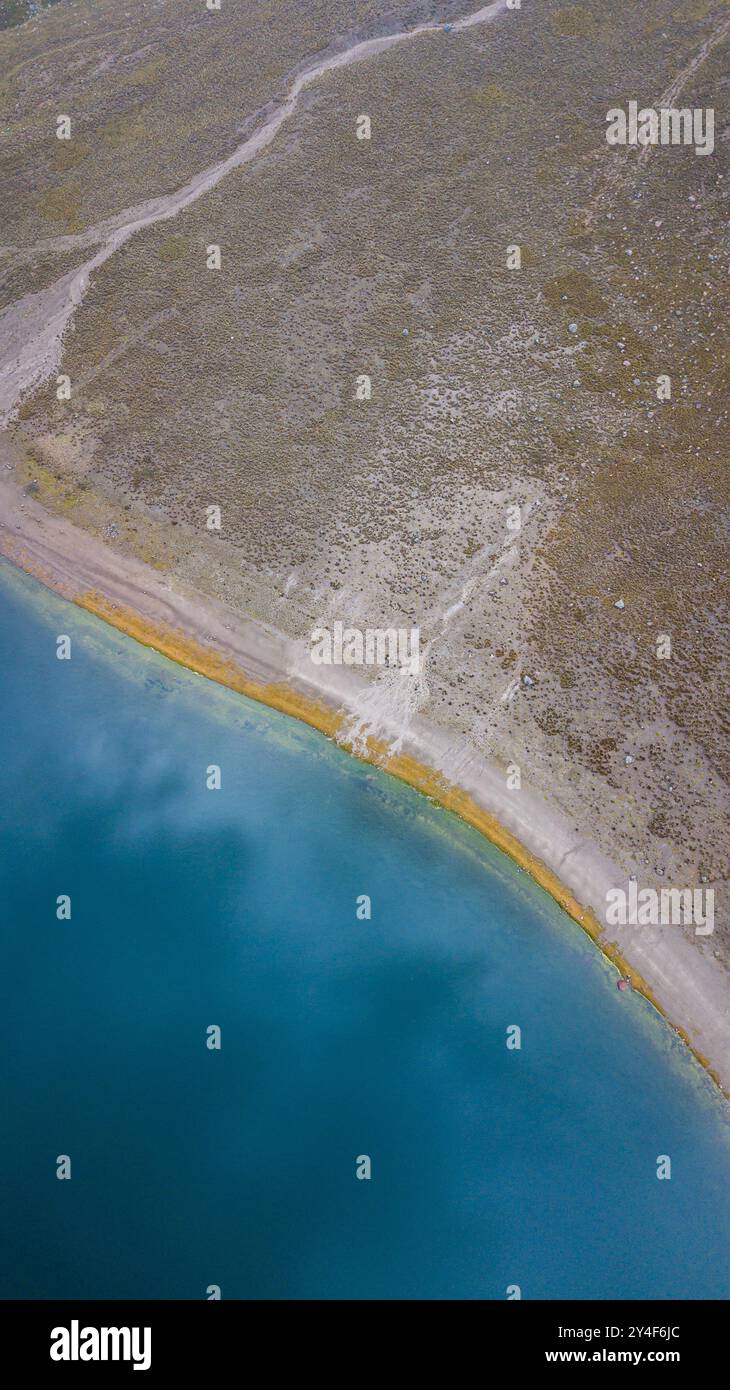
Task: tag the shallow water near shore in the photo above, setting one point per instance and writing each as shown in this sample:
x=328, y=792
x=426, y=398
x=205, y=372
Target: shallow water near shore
x=340, y=1037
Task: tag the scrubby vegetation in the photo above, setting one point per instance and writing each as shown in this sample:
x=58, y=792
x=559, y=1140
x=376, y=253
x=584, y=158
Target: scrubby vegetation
x=491, y=387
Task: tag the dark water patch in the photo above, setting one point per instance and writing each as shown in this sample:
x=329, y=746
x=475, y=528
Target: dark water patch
x=340, y=1036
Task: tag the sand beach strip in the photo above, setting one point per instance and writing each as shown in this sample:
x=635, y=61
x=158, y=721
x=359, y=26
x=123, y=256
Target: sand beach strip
x=678, y=974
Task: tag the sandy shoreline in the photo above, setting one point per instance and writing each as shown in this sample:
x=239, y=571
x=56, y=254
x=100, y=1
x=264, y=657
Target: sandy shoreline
x=678, y=975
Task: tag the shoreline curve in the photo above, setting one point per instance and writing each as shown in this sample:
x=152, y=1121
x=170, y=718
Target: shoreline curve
x=680, y=980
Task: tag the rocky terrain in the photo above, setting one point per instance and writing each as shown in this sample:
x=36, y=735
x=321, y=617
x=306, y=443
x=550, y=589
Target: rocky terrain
x=513, y=485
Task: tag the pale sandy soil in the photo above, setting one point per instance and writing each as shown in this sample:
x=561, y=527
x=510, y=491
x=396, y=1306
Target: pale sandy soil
x=682, y=977
x=32, y=329
x=490, y=390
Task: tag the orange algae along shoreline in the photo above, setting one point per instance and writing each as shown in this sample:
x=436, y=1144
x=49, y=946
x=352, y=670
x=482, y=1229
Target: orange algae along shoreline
x=278, y=695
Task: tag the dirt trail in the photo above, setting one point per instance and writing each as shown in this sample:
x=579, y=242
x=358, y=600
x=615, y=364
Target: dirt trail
x=679, y=974
x=32, y=329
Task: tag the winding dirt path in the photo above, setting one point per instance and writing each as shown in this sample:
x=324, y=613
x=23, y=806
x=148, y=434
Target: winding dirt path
x=32, y=329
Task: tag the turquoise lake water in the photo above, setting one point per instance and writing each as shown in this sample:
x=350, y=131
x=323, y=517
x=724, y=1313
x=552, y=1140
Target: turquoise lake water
x=189, y=908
